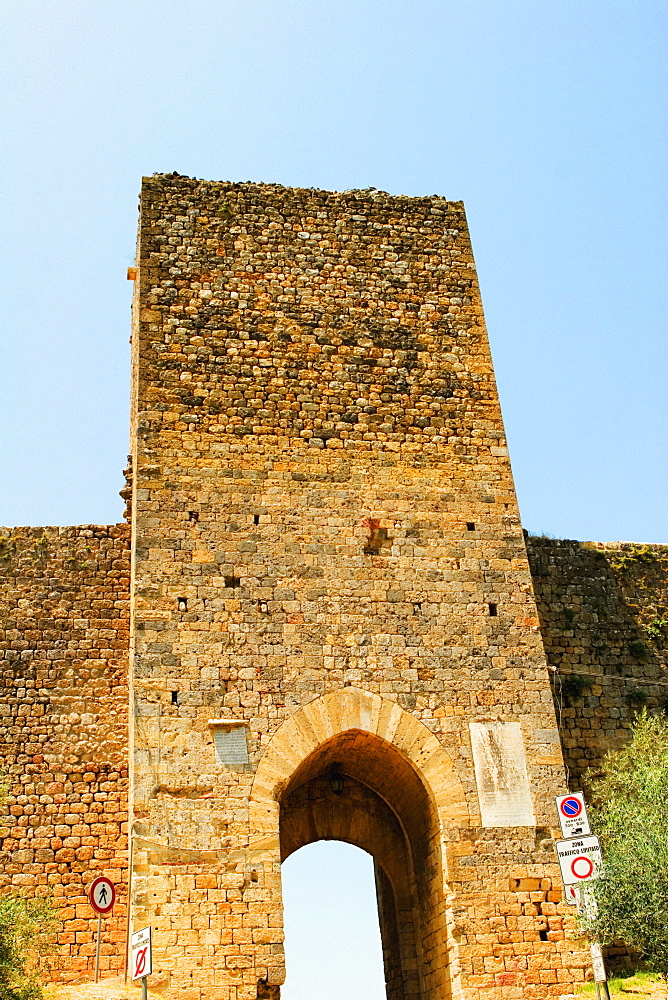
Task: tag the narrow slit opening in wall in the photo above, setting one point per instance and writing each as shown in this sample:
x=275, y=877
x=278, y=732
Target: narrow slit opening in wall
x=492, y=610
x=175, y=697
x=256, y=518
x=193, y=515
x=183, y=603
x=543, y=935
x=470, y=526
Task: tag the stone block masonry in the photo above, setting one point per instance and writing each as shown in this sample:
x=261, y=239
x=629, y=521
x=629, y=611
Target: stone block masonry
x=328, y=554
x=332, y=629
x=595, y=602
x=64, y=629
x=603, y=611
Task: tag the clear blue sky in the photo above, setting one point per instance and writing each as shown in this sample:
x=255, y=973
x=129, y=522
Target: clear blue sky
x=547, y=117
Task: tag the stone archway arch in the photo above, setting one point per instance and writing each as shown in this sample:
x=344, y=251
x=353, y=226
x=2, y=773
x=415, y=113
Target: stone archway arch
x=401, y=766
x=328, y=716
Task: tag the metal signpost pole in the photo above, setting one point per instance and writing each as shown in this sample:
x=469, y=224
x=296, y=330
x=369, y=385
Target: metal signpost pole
x=602, y=991
x=127, y=910
x=600, y=975
x=101, y=896
x=97, y=947
x=144, y=988
x=580, y=860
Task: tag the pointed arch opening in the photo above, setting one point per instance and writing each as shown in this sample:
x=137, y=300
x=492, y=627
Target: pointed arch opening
x=332, y=933
x=357, y=788
x=354, y=767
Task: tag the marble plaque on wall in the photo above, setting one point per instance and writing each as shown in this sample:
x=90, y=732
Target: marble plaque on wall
x=501, y=774
x=231, y=746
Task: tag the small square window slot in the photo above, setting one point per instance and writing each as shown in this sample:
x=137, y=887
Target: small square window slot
x=183, y=604
x=232, y=581
x=193, y=515
x=256, y=518
x=543, y=935
x=492, y=610
x=470, y=526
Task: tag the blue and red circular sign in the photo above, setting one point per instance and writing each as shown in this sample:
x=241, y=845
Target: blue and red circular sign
x=571, y=807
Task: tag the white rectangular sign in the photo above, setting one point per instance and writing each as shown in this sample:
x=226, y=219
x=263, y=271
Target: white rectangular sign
x=500, y=768
x=231, y=745
x=573, y=815
x=580, y=860
x=141, y=958
x=597, y=962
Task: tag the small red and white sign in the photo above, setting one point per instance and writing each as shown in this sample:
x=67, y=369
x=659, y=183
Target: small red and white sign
x=573, y=815
x=140, y=953
x=571, y=895
x=580, y=860
x=102, y=895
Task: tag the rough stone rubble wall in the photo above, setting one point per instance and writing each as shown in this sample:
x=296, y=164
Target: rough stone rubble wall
x=595, y=602
x=322, y=500
x=64, y=633
x=601, y=606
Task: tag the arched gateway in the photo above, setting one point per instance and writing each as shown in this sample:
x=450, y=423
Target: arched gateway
x=333, y=628
x=353, y=766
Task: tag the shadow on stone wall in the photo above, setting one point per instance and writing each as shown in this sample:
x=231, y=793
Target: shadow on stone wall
x=601, y=608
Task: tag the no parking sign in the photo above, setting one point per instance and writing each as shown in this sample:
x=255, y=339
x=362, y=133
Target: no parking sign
x=573, y=815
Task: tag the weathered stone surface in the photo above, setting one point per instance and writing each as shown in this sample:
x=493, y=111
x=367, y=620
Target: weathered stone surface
x=601, y=609
x=315, y=418
x=64, y=629
x=328, y=559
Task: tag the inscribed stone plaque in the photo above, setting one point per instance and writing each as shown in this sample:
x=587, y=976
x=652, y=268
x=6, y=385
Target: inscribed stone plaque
x=230, y=744
x=501, y=774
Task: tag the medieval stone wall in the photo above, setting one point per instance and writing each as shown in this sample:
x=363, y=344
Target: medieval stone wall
x=64, y=621
x=323, y=503
x=603, y=611
x=65, y=628
x=330, y=577
x=595, y=604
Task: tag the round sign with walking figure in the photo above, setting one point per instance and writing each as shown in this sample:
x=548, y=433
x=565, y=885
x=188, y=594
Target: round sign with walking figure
x=102, y=895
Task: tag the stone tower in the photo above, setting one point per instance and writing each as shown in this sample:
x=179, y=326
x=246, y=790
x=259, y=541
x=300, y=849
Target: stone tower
x=333, y=629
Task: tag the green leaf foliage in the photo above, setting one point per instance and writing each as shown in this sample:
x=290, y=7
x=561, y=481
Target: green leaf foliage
x=25, y=929
x=629, y=813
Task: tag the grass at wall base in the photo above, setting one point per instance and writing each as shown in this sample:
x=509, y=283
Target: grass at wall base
x=629, y=795
x=25, y=930
x=639, y=984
